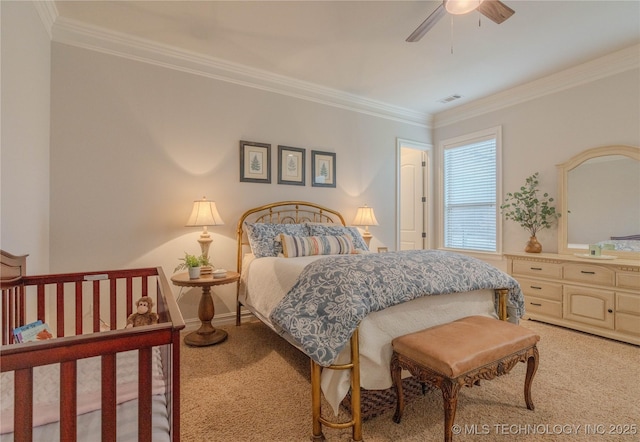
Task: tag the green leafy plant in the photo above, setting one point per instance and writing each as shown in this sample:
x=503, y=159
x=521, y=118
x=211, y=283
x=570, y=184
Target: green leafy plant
x=525, y=207
x=191, y=261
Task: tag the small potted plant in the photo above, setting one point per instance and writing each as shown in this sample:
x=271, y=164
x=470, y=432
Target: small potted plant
x=192, y=264
x=532, y=212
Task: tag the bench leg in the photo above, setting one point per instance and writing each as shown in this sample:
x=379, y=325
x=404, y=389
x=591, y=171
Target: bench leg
x=532, y=367
x=450, y=391
x=396, y=378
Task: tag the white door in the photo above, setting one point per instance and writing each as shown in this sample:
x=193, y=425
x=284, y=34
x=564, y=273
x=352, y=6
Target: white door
x=413, y=198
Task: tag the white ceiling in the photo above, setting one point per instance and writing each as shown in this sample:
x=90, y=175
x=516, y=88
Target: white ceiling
x=359, y=48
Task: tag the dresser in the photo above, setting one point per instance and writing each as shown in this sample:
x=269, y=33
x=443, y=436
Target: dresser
x=597, y=296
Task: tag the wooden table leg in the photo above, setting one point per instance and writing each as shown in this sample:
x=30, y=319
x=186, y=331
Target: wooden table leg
x=206, y=334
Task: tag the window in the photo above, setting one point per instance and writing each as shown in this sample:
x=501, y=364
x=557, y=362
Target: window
x=470, y=192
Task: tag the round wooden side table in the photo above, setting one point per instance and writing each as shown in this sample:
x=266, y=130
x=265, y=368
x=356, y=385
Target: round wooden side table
x=207, y=334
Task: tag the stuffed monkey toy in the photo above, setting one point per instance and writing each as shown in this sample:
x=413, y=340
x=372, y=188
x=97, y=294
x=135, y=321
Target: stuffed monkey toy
x=143, y=315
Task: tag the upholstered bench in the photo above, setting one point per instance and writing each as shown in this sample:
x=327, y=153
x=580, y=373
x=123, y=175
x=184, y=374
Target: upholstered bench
x=461, y=353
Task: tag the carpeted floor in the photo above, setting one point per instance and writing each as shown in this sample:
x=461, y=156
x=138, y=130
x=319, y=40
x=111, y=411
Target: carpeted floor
x=255, y=387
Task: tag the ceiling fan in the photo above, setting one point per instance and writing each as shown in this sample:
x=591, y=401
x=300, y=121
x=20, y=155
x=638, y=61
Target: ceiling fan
x=494, y=10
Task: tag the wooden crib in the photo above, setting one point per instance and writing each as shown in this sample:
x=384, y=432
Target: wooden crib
x=87, y=314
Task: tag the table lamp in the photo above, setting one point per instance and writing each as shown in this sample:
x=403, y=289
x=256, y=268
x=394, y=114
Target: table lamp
x=365, y=217
x=204, y=214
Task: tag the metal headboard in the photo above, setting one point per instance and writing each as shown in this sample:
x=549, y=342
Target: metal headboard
x=283, y=212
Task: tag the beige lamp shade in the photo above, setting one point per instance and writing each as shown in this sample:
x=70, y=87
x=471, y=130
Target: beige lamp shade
x=365, y=217
x=204, y=213
x=458, y=7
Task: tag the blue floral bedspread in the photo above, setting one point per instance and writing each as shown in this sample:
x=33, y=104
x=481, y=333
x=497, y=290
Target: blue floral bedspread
x=332, y=295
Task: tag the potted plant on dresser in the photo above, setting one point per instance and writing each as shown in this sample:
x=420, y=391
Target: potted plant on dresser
x=532, y=212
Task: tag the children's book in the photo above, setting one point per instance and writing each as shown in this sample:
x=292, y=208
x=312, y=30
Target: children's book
x=35, y=331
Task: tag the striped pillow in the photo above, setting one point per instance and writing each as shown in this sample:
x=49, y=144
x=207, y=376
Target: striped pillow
x=293, y=246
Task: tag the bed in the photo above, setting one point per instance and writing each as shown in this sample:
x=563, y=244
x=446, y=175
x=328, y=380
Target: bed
x=93, y=376
x=279, y=280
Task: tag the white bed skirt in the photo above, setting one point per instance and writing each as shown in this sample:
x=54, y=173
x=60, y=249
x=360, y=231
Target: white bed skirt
x=265, y=281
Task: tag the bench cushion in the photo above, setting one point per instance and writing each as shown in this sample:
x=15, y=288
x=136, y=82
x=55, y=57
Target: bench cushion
x=460, y=346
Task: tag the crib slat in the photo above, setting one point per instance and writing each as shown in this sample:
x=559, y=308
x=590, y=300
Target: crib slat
x=5, y=311
x=79, y=310
x=23, y=404
x=40, y=303
x=59, y=309
x=12, y=318
x=95, y=321
x=145, y=377
x=129, y=295
x=113, y=305
x=7, y=316
x=68, y=400
x=109, y=397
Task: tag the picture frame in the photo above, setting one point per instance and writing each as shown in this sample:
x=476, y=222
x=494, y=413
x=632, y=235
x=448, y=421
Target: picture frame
x=383, y=249
x=323, y=169
x=291, y=165
x=255, y=162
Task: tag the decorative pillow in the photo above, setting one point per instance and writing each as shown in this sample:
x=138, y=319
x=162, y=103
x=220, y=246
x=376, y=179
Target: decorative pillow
x=264, y=238
x=293, y=246
x=626, y=238
x=337, y=230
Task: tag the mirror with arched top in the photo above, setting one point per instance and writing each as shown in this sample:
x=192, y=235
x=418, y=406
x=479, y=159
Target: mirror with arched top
x=599, y=201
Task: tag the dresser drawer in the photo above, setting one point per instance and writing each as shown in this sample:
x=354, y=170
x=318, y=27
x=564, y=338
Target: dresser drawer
x=541, y=289
x=589, y=274
x=628, y=280
x=541, y=306
x=628, y=303
x=542, y=269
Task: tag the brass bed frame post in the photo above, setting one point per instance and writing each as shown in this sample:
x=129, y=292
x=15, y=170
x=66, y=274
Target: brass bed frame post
x=355, y=387
x=503, y=314
x=316, y=395
x=239, y=269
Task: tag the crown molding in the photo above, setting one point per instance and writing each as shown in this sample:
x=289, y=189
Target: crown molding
x=75, y=33
x=48, y=14
x=611, y=64
x=78, y=34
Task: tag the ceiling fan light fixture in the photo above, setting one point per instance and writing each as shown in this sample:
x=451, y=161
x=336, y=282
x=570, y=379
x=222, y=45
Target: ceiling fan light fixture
x=459, y=7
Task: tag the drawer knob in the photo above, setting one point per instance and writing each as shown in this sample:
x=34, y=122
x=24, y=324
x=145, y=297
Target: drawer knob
x=610, y=311
x=536, y=268
x=587, y=273
x=536, y=304
x=535, y=287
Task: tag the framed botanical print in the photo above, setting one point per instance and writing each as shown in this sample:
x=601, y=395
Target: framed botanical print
x=291, y=163
x=323, y=169
x=255, y=162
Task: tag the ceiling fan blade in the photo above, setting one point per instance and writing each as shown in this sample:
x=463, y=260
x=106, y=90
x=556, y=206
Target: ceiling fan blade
x=427, y=24
x=495, y=10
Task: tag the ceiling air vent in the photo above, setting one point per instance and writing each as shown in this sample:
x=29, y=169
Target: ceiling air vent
x=449, y=99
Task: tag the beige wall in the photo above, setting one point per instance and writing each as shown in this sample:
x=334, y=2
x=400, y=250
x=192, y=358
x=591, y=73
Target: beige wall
x=133, y=144
x=24, y=175
x=540, y=133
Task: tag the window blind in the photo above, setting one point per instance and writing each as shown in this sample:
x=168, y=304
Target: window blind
x=470, y=196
